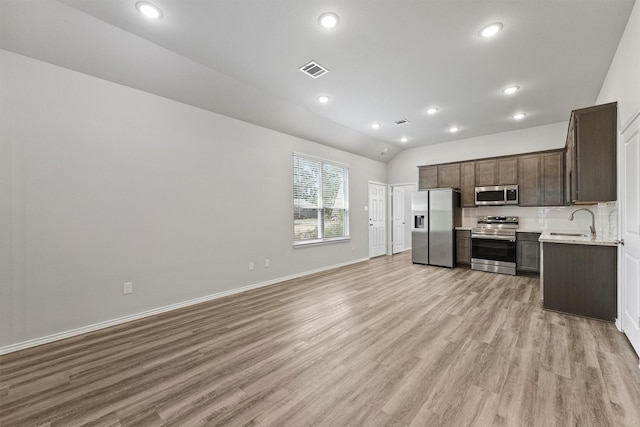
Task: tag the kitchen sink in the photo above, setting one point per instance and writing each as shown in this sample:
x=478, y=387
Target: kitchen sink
x=568, y=234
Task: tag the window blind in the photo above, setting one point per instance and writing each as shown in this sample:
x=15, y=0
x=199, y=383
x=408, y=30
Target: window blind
x=320, y=200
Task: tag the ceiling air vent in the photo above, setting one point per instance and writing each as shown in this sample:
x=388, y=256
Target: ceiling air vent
x=401, y=121
x=314, y=69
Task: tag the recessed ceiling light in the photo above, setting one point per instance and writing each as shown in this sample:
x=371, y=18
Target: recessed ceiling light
x=149, y=10
x=323, y=99
x=519, y=116
x=432, y=110
x=328, y=20
x=490, y=30
x=454, y=129
x=404, y=139
x=510, y=90
x=376, y=125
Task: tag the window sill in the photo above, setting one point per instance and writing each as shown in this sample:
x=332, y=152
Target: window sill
x=319, y=242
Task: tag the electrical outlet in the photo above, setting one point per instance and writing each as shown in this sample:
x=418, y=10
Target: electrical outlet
x=267, y=263
x=251, y=266
x=127, y=288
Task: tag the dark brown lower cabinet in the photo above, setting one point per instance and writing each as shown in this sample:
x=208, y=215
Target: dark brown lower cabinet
x=463, y=247
x=528, y=253
x=580, y=280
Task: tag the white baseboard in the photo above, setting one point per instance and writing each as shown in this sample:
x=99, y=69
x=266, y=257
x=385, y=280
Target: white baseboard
x=113, y=322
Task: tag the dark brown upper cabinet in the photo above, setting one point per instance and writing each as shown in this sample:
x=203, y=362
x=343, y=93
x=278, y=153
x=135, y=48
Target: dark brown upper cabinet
x=439, y=176
x=427, y=177
x=507, y=170
x=485, y=172
x=449, y=175
x=552, y=180
x=591, y=155
x=541, y=179
x=467, y=184
x=498, y=171
x=529, y=174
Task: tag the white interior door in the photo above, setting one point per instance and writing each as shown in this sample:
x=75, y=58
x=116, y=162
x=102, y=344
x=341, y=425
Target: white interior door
x=630, y=225
x=398, y=223
x=377, y=227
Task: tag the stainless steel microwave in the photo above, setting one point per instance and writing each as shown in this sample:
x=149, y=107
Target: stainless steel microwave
x=497, y=195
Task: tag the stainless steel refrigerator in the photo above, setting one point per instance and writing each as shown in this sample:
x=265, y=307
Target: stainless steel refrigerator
x=436, y=213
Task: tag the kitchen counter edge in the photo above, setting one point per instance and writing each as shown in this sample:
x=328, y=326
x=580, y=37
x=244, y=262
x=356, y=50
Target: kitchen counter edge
x=546, y=237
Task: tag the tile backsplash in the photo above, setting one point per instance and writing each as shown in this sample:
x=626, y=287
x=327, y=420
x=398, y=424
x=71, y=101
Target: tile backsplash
x=552, y=218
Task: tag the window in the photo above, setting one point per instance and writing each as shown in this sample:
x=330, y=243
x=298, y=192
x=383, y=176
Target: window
x=320, y=200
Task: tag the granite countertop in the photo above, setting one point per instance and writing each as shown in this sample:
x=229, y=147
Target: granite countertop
x=569, y=237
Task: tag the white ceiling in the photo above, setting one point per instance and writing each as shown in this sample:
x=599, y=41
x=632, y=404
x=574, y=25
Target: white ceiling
x=388, y=59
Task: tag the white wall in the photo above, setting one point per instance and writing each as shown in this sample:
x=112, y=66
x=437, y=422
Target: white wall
x=403, y=167
x=102, y=184
x=622, y=82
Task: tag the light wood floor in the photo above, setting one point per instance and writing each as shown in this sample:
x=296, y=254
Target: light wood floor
x=380, y=343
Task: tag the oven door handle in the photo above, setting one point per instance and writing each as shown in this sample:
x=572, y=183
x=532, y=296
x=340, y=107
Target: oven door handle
x=493, y=237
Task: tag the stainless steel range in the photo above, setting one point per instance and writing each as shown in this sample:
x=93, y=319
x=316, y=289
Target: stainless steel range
x=493, y=244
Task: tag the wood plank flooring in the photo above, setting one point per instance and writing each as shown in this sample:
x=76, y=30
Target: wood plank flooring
x=379, y=343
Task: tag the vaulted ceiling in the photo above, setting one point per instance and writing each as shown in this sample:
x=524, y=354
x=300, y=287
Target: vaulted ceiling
x=387, y=60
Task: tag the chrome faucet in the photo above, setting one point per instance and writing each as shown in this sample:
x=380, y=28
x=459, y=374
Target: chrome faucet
x=593, y=220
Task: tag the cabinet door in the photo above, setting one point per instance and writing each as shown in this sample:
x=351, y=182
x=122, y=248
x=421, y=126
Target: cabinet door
x=529, y=180
x=528, y=252
x=427, y=177
x=569, y=177
x=449, y=175
x=552, y=171
x=595, y=140
x=468, y=183
x=463, y=247
x=485, y=172
x=507, y=171
x=581, y=280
